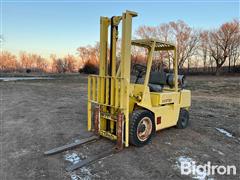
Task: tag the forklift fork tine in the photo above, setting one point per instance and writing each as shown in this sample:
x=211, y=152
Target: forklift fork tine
x=91, y=160
x=70, y=146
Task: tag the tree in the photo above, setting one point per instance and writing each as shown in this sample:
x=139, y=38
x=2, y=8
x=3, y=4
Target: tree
x=165, y=33
x=222, y=41
x=53, y=59
x=235, y=46
x=39, y=62
x=83, y=54
x=235, y=54
x=8, y=61
x=89, y=54
x=24, y=60
x=147, y=32
x=185, y=38
x=94, y=54
x=137, y=56
x=61, y=66
x=203, y=47
x=70, y=63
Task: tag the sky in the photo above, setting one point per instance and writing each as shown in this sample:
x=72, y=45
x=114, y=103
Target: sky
x=60, y=27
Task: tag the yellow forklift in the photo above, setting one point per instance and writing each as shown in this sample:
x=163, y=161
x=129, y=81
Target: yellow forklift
x=125, y=112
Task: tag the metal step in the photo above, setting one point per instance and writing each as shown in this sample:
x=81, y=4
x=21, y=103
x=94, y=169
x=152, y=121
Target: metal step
x=91, y=160
x=70, y=146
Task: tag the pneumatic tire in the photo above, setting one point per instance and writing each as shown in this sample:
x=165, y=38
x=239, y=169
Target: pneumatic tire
x=183, y=118
x=141, y=127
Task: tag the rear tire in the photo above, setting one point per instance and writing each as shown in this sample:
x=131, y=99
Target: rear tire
x=141, y=127
x=183, y=119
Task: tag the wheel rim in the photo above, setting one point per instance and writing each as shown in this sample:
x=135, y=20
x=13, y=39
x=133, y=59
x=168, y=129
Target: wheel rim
x=144, y=129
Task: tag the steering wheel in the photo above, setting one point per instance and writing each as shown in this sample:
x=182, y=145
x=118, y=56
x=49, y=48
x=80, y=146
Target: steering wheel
x=141, y=69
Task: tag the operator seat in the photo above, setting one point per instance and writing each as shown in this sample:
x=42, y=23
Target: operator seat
x=157, y=81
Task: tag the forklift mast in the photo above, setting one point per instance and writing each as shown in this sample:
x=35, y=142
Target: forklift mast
x=109, y=91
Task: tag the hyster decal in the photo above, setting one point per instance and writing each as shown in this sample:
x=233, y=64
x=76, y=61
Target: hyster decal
x=167, y=100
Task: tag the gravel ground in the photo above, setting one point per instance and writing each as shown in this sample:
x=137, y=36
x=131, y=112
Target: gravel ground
x=37, y=115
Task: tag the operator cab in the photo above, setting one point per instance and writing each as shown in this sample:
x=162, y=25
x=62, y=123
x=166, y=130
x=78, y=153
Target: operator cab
x=157, y=79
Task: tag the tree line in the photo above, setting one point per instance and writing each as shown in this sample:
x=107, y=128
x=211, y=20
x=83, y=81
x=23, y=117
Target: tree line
x=203, y=49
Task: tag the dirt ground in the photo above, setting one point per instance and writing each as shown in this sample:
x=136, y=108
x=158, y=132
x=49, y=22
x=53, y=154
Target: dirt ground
x=37, y=115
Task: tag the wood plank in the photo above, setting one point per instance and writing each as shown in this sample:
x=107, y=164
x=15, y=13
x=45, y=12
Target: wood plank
x=70, y=146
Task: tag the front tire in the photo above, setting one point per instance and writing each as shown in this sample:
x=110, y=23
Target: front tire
x=141, y=127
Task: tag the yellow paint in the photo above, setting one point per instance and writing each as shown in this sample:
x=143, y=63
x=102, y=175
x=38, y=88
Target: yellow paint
x=89, y=105
x=113, y=92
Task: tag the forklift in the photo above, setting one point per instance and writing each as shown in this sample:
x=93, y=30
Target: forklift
x=126, y=112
